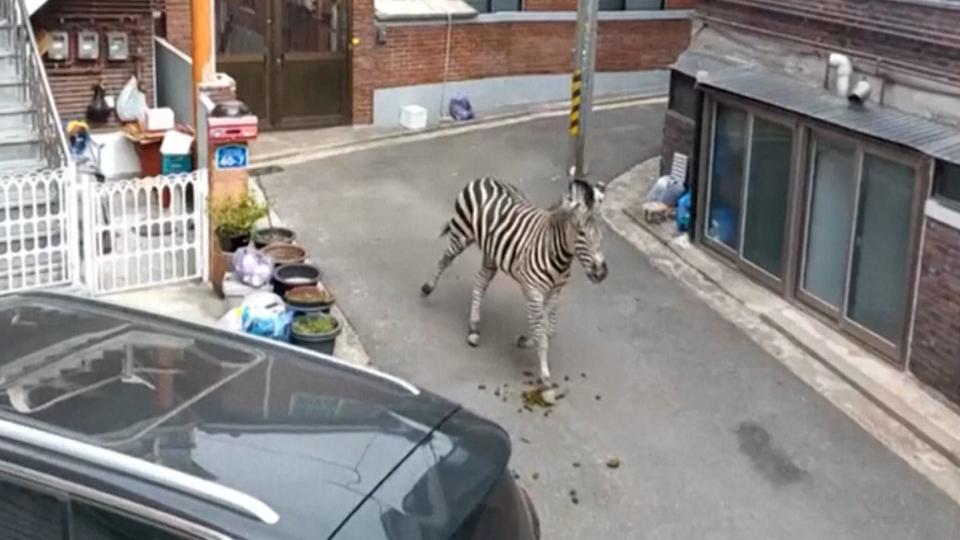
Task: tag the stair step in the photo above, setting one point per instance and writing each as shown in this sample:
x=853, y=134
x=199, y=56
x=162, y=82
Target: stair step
x=19, y=143
x=11, y=89
x=16, y=115
x=13, y=166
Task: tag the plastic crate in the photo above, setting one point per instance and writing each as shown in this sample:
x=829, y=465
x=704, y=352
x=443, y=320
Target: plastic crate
x=173, y=164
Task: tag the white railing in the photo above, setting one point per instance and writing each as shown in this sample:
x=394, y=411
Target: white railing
x=39, y=237
x=37, y=87
x=58, y=227
x=145, y=232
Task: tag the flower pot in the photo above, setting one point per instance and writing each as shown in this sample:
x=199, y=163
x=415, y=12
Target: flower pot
x=308, y=299
x=284, y=254
x=321, y=342
x=289, y=276
x=273, y=235
x=230, y=243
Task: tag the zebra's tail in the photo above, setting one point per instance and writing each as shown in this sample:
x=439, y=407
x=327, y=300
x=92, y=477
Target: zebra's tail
x=445, y=231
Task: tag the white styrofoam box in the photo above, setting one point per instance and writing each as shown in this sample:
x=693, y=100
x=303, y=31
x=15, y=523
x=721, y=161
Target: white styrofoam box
x=159, y=119
x=176, y=143
x=413, y=117
x=234, y=290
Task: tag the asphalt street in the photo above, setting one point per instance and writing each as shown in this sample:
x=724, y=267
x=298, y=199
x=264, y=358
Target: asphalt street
x=716, y=440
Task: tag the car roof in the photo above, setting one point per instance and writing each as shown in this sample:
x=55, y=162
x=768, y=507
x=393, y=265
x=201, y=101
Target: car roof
x=311, y=438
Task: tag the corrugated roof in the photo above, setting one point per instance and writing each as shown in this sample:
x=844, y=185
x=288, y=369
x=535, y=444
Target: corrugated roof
x=883, y=123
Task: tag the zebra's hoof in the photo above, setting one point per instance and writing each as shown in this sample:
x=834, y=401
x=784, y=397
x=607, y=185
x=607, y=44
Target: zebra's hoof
x=473, y=339
x=426, y=290
x=524, y=342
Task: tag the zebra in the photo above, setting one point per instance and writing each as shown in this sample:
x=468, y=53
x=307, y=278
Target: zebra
x=535, y=246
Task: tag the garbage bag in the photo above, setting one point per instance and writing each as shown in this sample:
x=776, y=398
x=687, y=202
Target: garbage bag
x=131, y=103
x=264, y=314
x=666, y=190
x=252, y=267
x=232, y=320
x=460, y=108
x=98, y=110
x=683, y=212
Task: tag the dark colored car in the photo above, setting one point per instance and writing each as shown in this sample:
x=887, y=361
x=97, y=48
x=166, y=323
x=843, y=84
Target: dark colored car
x=119, y=424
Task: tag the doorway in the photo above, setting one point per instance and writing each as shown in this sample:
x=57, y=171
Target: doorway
x=289, y=59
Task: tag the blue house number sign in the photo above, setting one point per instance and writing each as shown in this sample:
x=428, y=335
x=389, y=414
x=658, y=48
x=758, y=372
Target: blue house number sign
x=233, y=156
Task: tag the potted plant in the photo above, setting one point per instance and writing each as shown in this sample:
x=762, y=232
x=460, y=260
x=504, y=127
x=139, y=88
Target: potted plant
x=285, y=253
x=273, y=235
x=234, y=219
x=316, y=331
x=309, y=299
x=289, y=276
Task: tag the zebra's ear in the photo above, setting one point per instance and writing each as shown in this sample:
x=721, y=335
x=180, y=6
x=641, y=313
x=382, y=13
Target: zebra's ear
x=601, y=191
x=581, y=193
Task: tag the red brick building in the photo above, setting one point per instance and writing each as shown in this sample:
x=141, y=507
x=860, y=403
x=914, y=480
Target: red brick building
x=374, y=56
x=825, y=136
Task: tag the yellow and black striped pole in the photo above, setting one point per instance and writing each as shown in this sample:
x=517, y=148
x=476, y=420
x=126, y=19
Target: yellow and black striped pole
x=575, y=87
x=581, y=86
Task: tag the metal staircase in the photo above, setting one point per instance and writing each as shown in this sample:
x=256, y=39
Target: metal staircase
x=33, y=222
x=31, y=136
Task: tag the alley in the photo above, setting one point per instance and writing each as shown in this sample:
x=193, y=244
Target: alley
x=715, y=439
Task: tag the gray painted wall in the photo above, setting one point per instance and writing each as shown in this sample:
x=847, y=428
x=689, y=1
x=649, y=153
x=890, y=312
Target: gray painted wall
x=174, y=81
x=494, y=93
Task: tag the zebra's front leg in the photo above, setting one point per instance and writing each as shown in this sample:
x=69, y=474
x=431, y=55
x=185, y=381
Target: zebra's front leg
x=455, y=248
x=480, y=284
x=551, y=304
x=537, y=317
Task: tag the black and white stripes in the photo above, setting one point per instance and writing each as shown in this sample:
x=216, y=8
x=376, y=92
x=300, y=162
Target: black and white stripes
x=534, y=246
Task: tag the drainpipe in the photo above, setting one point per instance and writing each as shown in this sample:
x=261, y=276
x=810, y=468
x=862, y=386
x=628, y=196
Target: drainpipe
x=844, y=67
x=202, y=48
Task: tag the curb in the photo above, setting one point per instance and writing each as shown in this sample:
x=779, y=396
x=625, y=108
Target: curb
x=891, y=404
x=349, y=347
x=265, y=161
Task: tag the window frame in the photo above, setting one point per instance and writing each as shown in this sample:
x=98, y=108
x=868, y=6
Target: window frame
x=939, y=180
x=736, y=257
x=623, y=7
x=797, y=214
x=67, y=492
x=488, y=7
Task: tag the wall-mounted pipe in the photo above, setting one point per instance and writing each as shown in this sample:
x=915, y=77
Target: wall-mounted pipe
x=844, y=67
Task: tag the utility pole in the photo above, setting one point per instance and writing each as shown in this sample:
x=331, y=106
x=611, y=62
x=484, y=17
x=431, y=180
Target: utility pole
x=204, y=63
x=581, y=98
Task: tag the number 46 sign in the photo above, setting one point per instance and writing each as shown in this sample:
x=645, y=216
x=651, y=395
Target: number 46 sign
x=233, y=156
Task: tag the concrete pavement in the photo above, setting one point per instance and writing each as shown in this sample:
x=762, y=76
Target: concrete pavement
x=717, y=439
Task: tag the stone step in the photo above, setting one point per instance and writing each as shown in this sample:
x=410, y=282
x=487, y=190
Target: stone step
x=17, y=116
x=19, y=143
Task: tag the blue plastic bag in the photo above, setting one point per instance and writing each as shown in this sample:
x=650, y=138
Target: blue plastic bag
x=460, y=108
x=265, y=315
x=683, y=212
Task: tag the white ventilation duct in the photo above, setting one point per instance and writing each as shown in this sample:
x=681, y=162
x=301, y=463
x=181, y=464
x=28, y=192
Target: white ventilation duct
x=844, y=67
x=860, y=92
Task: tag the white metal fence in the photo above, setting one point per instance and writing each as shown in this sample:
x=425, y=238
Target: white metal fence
x=38, y=229
x=61, y=228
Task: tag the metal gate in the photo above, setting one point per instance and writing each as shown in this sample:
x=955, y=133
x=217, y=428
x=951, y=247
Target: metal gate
x=145, y=232
x=61, y=228
x=39, y=240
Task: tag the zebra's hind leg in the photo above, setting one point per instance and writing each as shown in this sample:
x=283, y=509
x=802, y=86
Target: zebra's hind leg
x=480, y=284
x=454, y=248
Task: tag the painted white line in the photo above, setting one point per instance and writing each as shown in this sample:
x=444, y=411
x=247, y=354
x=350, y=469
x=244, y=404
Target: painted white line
x=446, y=132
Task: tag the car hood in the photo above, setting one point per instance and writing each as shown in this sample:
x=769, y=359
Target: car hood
x=310, y=437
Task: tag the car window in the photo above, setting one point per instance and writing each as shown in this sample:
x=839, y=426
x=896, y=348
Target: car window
x=26, y=514
x=89, y=522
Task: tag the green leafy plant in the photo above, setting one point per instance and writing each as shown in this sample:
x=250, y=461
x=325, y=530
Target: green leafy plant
x=236, y=216
x=313, y=325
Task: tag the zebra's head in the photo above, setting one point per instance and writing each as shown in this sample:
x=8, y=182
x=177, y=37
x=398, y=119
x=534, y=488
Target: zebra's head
x=583, y=201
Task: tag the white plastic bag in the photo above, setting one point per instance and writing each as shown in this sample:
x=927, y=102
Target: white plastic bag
x=666, y=190
x=232, y=320
x=252, y=267
x=131, y=103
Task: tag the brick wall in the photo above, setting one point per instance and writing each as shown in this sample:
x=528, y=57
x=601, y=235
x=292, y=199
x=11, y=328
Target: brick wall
x=178, y=25
x=414, y=54
x=935, y=355
x=913, y=38
x=72, y=81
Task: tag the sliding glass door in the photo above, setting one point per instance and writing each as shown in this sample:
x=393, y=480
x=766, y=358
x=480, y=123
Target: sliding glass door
x=858, y=236
x=750, y=170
